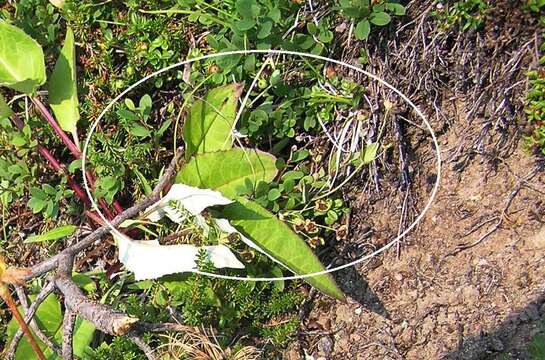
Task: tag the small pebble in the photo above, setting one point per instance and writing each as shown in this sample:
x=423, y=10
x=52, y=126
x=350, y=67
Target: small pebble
x=358, y=311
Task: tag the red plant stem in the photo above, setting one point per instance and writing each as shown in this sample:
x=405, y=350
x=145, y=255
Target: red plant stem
x=80, y=193
x=95, y=217
x=4, y=293
x=76, y=152
x=51, y=120
x=55, y=164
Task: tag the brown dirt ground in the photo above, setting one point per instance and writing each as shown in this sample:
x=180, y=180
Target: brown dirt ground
x=431, y=300
x=428, y=305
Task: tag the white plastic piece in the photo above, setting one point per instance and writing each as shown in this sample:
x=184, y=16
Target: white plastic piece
x=148, y=259
x=193, y=199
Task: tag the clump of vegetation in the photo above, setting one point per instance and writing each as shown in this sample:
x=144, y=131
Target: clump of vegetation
x=466, y=14
x=534, y=108
x=535, y=111
x=106, y=47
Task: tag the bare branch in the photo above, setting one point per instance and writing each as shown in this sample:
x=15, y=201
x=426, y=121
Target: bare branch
x=148, y=351
x=105, y=318
x=67, y=334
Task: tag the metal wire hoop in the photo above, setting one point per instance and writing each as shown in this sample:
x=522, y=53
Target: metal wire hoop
x=278, y=52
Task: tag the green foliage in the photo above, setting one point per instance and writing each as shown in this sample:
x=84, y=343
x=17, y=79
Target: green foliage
x=14, y=171
x=22, y=60
x=54, y=234
x=63, y=88
x=366, y=14
x=241, y=169
x=534, y=5
x=118, y=349
x=466, y=14
x=229, y=305
x=123, y=42
x=5, y=110
x=280, y=242
x=211, y=120
x=288, y=109
x=46, y=199
x=537, y=347
x=535, y=111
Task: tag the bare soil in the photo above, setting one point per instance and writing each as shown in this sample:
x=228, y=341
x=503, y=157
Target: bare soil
x=469, y=281
x=434, y=303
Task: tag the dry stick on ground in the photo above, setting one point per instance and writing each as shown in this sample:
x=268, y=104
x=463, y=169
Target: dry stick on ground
x=103, y=317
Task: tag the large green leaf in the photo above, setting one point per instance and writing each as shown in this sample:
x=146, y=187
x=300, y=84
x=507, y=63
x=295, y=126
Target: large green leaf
x=279, y=241
x=231, y=172
x=5, y=110
x=22, y=65
x=49, y=318
x=209, y=124
x=63, y=88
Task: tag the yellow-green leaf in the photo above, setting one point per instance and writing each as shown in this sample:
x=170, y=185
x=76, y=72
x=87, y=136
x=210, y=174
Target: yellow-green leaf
x=231, y=172
x=22, y=66
x=279, y=241
x=210, y=122
x=54, y=234
x=63, y=89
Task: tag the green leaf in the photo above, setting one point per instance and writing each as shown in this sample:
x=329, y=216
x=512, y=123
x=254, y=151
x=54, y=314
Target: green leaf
x=279, y=241
x=245, y=24
x=232, y=172
x=49, y=319
x=22, y=66
x=54, y=234
x=300, y=155
x=145, y=102
x=265, y=29
x=362, y=30
x=248, y=8
x=370, y=152
x=210, y=122
x=380, y=18
x=5, y=110
x=139, y=131
x=143, y=181
x=275, y=14
x=273, y=194
x=36, y=205
x=397, y=9
x=63, y=88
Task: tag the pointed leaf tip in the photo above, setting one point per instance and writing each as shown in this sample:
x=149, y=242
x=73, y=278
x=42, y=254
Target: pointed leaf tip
x=63, y=88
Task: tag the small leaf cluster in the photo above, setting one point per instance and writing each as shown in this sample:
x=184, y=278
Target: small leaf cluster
x=288, y=108
x=535, y=111
x=370, y=13
x=466, y=14
x=534, y=5
x=47, y=199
